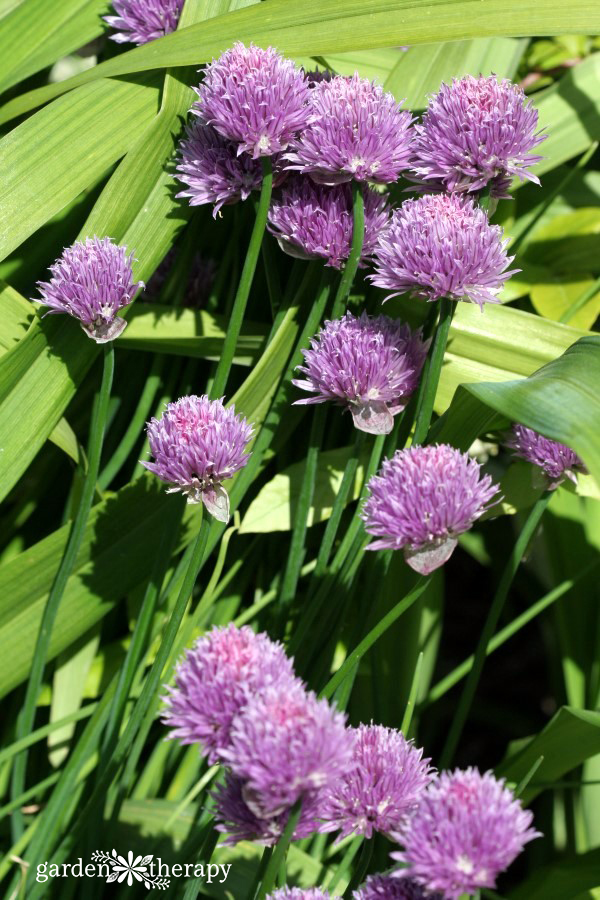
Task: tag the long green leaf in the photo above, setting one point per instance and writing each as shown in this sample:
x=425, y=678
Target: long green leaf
x=567, y=879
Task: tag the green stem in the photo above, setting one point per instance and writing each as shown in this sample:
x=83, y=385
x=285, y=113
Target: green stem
x=361, y=868
x=351, y=267
x=26, y=718
x=445, y=684
x=412, y=696
x=434, y=368
x=466, y=699
x=243, y=291
x=279, y=853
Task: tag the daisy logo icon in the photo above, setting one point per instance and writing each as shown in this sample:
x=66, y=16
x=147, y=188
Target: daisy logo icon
x=130, y=869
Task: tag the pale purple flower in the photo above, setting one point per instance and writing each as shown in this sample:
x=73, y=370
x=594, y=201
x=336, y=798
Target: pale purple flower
x=355, y=130
x=469, y=827
x=197, y=444
x=212, y=170
x=422, y=499
x=388, y=887
x=311, y=221
x=382, y=789
x=140, y=21
x=477, y=132
x=239, y=822
x=369, y=365
x=215, y=679
x=442, y=245
x=556, y=461
x=295, y=893
x=255, y=98
x=92, y=281
x=287, y=745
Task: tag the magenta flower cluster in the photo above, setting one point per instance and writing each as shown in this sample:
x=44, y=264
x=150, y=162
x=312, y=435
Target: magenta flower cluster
x=369, y=365
x=197, y=444
x=468, y=828
x=388, y=887
x=422, y=500
x=442, y=245
x=477, y=133
x=140, y=21
x=556, y=461
x=91, y=282
x=287, y=893
x=311, y=221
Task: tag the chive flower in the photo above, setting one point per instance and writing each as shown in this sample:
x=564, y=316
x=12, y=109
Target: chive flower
x=556, y=461
x=422, y=499
x=469, y=827
x=91, y=282
x=477, y=133
x=197, y=444
x=355, y=131
x=296, y=893
x=382, y=789
x=255, y=98
x=369, y=365
x=140, y=21
x=214, y=681
x=387, y=887
x=442, y=245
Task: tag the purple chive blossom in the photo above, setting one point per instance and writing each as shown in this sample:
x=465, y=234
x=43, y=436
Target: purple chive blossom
x=477, y=132
x=287, y=893
x=555, y=460
x=311, y=221
x=370, y=365
x=287, y=745
x=92, y=281
x=422, y=499
x=211, y=169
x=384, y=787
x=255, y=98
x=469, y=827
x=140, y=21
x=387, y=887
x=355, y=131
x=197, y=444
x=442, y=245
x=216, y=679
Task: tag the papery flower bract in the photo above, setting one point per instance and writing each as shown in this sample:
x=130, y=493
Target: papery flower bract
x=212, y=170
x=296, y=893
x=198, y=443
x=255, y=98
x=469, y=827
x=311, y=221
x=556, y=461
x=442, y=245
x=382, y=789
x=215, y=679
x=477, y=132
x=387, y=887
x=355, y=130
x=240, y=823
x=287, y=745
x=140, y=21
x=422, y=499
x=92, y=281
x=370, y=365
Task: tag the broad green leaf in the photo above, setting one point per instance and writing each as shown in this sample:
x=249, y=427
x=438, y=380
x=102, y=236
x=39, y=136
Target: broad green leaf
x=315, y=28
x=83, y=134
x=36, y=33
x=569, y=243
x=16, y=314
x=65, y=438
x=571, y=737
x=555, y=296
x=570, y=878
x=190, y=332
x=67, y=693
x=273, y=508
x=421, y=70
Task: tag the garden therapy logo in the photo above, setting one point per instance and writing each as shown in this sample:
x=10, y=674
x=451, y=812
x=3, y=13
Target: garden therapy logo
x=130, y=869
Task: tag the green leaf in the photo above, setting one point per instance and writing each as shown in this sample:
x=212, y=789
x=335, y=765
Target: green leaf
x=16, y=314
x=315, y=28
x=273, y=508
x=571, y=737
x=83, y=134
x=68, y=686
x=190, y=332
x=555, y=296
x=36, y=33
x=566, y=879
x=65, y=438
